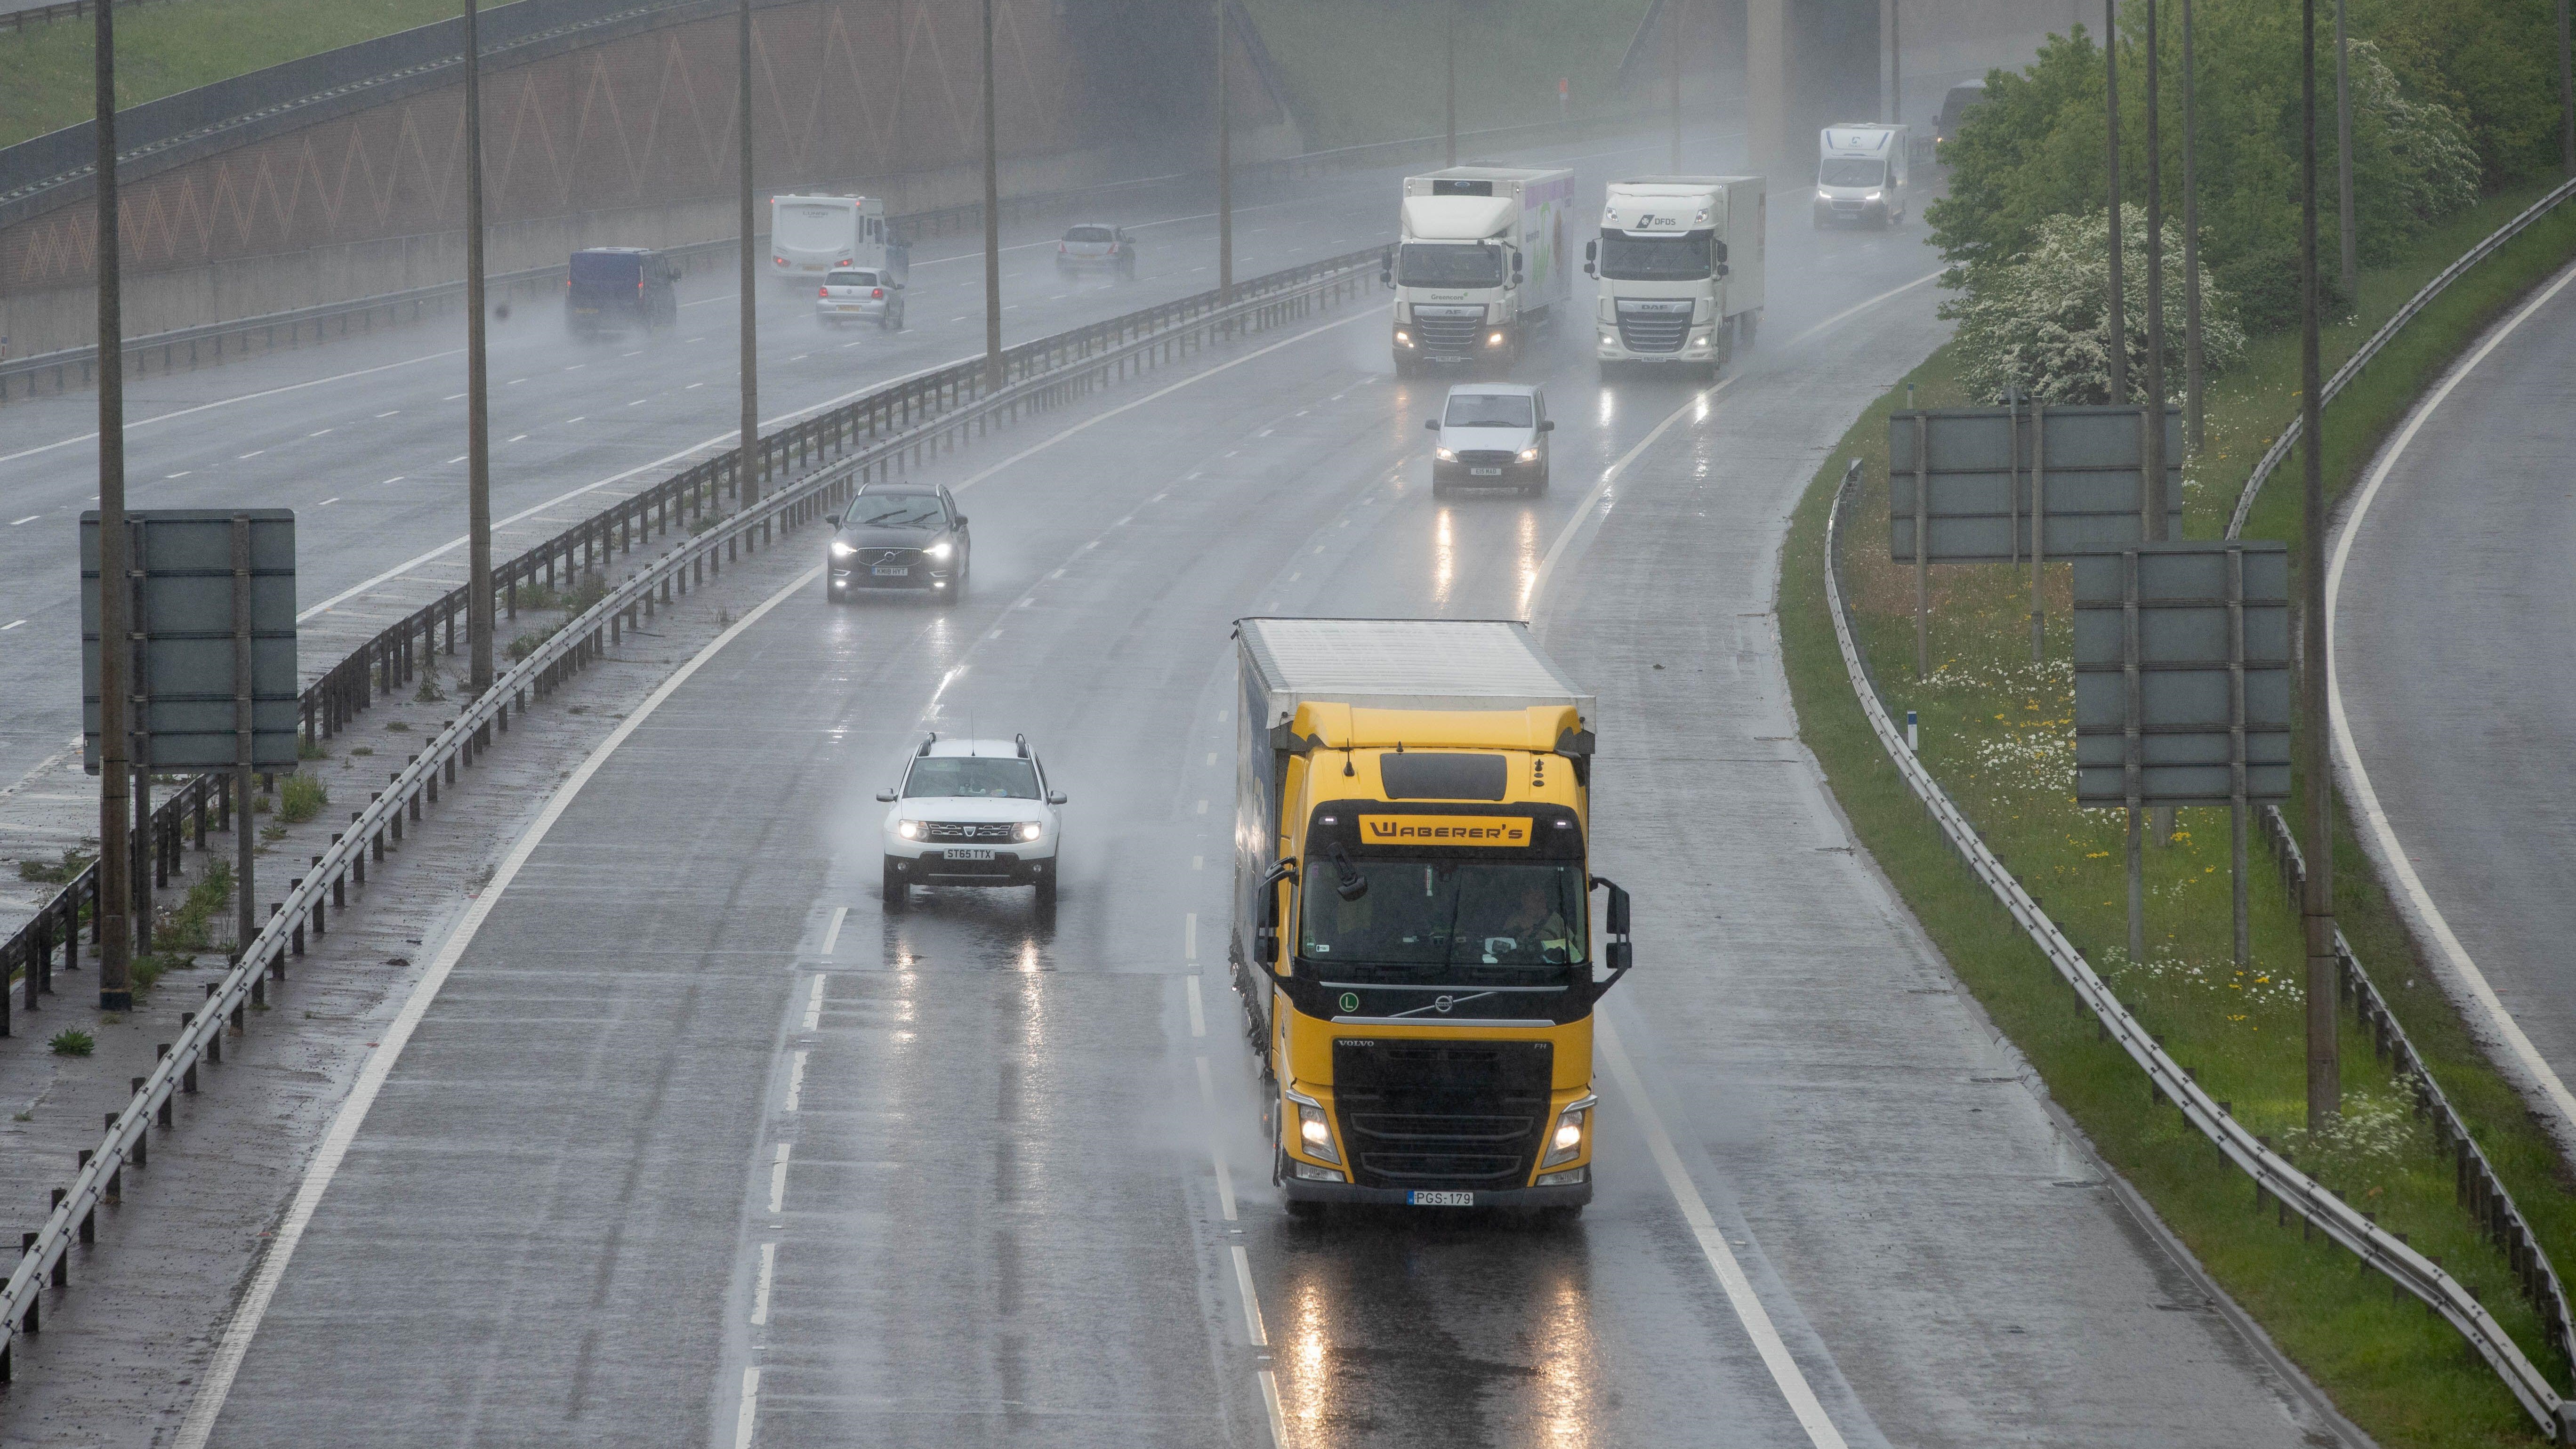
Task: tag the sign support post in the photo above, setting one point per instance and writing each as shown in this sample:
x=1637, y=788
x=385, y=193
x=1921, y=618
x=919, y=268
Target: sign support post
x=2038, y=525
x=1922, y=547
x=244, y=925
x=2132, y=763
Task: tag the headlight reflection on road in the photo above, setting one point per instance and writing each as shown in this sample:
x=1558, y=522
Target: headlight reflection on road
x=1444, y=558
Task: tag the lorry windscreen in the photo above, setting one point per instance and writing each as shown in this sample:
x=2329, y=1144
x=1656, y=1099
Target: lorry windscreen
x=1654, y=259
x=1418, y=913
x=1851, y=171
x=1449, y=264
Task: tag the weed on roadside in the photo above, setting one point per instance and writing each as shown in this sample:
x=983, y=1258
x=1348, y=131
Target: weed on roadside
x=301, y=799
x=71, y=1041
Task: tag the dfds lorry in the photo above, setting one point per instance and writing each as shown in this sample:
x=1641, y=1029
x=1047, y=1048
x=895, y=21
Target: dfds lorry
x=1862, y=174
x=1480, y=264
x=812, y=235
x=1680, y=260
x=1413, y=939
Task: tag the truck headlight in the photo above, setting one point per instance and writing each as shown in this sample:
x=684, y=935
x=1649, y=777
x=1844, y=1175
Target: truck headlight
x=1314, y=1128
x=1823, y=195
x=940, y=550
x=1494, y=339
x=909, y=830
x=1873, y=196
x=1031, y=829
x=1529, y=455
x=1403, y=338
x=1572, y=1125
x=842, y=550
x=1445, y=455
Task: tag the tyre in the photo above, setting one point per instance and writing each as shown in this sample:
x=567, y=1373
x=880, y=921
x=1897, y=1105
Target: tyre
x=885, y=320
x=1438, y=488
x=1046, y=894
x=898, y=319
x=951, y=596
x=1539, y=488
x=898, y=891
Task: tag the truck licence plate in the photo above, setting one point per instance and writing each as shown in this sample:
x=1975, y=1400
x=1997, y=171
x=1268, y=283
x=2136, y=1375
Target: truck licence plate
x=970, y=855
x=895, y=572
x=1485, y=472
x=1440, y=1199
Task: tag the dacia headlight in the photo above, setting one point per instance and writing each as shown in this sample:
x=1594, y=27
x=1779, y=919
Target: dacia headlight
x=1031, y=829
x=842, y=550
x=941, y=549
x=909, y=830
x=1314, y=1128
x=1572, y=1125
x=1445, y=455
x=1529, y=455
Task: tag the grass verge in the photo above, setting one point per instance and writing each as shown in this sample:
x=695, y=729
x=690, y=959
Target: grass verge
x=1998, y=733
x=162, y=50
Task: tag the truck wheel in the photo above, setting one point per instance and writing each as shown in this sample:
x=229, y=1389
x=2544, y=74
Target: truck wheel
x=898, y=891
x=1746, y=326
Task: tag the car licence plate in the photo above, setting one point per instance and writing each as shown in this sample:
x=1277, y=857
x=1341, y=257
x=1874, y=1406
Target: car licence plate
x=970, y=855
x=1486, y=472
x=1440, y=1199
x=895, y=572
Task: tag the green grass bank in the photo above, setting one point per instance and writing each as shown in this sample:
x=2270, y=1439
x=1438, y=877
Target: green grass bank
x=1998, y=732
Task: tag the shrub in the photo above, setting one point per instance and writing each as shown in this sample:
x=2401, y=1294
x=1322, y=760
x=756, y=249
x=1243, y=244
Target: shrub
x=2039, y=321
x=37, y=872
x=71, y=1041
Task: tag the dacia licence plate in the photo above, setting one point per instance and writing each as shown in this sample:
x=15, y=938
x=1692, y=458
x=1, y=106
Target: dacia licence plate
x=1440, y=1199
x=970, y=855
x=891, y=572
x=1485, y=472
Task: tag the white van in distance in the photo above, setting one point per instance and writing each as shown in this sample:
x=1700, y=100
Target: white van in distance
x=1862, y=174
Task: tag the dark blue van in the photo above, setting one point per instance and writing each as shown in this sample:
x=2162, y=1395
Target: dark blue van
x=620, y=289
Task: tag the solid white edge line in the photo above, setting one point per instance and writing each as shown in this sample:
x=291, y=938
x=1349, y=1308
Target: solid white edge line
x=1251, y=1300
x=832, y=932
x=234, y=1346
x=1785, y=1373
x=2357, y=776
x=746, y=1420
x=1270, y=1400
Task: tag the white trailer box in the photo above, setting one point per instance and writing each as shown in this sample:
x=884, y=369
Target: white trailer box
x=1483, y=261
x=1681, y=264
x=1864, y=174
x=811, y=235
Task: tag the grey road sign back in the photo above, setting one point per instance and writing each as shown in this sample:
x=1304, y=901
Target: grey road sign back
x=184, y=611
x=2189, y=672
x=1982, y=463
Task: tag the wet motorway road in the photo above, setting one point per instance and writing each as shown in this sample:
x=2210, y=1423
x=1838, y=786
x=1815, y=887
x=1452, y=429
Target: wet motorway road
x=2450, y=619
x=365, y=437
x=698, y=1143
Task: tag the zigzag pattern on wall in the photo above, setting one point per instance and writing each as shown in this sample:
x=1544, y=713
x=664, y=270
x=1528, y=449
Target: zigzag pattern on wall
x=842, y=89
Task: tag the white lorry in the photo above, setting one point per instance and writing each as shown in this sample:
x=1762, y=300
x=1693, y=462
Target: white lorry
x=1481, y=263
x=1680, y=260
x=812, y=235
x=1862, y=174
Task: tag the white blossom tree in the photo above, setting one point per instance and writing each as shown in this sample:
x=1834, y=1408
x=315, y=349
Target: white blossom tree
x=2039, y=323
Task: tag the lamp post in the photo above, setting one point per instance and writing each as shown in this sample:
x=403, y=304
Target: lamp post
x=478, y=398
x=992, y=222
x=2118, y=318
x=1224, y=170
x=2316, y=906
x=747, y=466
x=2193, y=434
x=2348, y=245
x=115, y=652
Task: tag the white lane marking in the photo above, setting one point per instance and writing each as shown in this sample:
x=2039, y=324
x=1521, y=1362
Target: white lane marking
x=1251, y=1302
x=327, y=502
x=1198, y=862
x=768, y=1270
x=1202, y=807
x=1100, y=418
x=778, y=1179
x=796, y=1080
x=397, y=478
x=30, y=518
x=1859, y=307
x=521, y=438
x=217, y=1382
x=451, y=397
x=5, y=628
x=328, y=430
x=1740, y=1296
x=92, y=436
x=459, y=458
x=639, y=402
x=1198, y=1013
x=396, y=412
x=175, y=477
x=1584, y=512
x=814, y=1006
x=255, y=452
x=568, y=422
x=747, y=1419
x=1190, y=929
x=514, y=382
x=1270, y=1400
x=691, y=385
x=2358, y=776
x=832, y=932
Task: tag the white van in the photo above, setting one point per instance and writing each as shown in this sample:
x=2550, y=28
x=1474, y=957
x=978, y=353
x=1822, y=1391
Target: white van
x=812, y=235
x=1862, y=174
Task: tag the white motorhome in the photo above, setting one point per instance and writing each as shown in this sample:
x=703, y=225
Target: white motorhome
x=1862, y=174
x=1680, y=260
x=812, y=235
x=1482, y=263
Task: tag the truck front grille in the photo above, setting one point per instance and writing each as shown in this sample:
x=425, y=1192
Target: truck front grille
x=1449, y=335
x=1441, y=1114
x=1657, y=327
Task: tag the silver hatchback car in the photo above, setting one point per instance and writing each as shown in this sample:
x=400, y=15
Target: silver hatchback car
x=1096, y=245
x=859, y=295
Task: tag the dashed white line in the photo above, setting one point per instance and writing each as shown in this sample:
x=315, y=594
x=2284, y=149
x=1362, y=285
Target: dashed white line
x=568, y=422
x=639, y=402
x=691, y=386
x=747, y=1419
x=514, y=382
x=1251, y=1301
x=796, y=1080
x=398, y=477
x=32, y=517
x=327, y=502
x=638, y=352
x=814, y=1006
x=398, y=411
x=1190, y=927
x=1202, y=811
x=459, y=458
x=521, y=438
x=253, y=453
x=453, y=396
x=5, y=628
x=175, y=477
x=832, y=932
x=778, y=1179
x=1198, y=1013
x=329, y=430
x=578, y=366
x=760, y=1290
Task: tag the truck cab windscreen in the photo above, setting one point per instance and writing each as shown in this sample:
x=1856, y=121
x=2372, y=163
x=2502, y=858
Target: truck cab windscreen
x=946, y=777
x=1449, y=264
x=1851, y=171
x=1655, y=259
x=1447, y=913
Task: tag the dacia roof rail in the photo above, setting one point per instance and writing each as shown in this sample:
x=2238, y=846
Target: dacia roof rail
x=1023, y=742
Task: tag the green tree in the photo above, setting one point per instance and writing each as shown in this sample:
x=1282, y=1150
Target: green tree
x=2037, y=322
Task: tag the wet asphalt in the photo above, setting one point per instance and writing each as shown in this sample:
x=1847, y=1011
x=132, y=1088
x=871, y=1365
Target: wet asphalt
x=696, y=1122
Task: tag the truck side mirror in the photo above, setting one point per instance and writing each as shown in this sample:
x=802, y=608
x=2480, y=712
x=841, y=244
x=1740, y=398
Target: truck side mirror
x=1719, y=248
x=1616, y=952
x=1516, y=266
x=1386, y=269
x=1267, y=946
x=1592, y=251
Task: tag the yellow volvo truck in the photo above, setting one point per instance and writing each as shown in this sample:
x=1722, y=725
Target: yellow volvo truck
x=1412, y=937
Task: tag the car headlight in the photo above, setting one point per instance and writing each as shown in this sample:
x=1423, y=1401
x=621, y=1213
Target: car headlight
x=909, y=830
x=1572, y=1125
x=940, y=550
x=1529, y=455
x=842, y=550
x=1314, y=1128
x=1032, y=829
x=1445, y=455
x=1494, y=339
